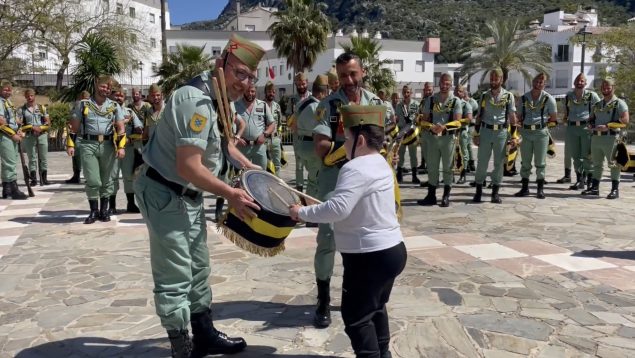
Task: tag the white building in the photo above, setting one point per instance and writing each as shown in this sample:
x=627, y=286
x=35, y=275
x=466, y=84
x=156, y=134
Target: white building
x=43, y=63
x=258, y=18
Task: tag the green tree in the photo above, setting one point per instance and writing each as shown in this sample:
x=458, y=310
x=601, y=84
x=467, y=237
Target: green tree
x=300, y=32
x=377, y=76
x=96, y=56
x=59, y=114
x=509, y=46
x=181, y=66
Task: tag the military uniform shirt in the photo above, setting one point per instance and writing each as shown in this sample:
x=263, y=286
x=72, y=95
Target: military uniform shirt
x=389, y=112
x=466, y=108
x=99, y=120
x=295, y=101
x=134, y=122
x=189, y=119
x=609, y=112
x=533, y=109
x=307, y=119
x=473, y=106
x=328, y=111
x=442, y=113
x=406, y=113
x=495, y=108
x=580, y=110
x=257, y=120
x=276, y=113
x=7, y=110
x=35, y=116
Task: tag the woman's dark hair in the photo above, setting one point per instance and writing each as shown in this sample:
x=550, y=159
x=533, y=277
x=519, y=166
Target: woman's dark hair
x=374, y=135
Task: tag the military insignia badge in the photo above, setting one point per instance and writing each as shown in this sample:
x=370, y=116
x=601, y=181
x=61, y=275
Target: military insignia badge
x=320, y=112
x=197, y=123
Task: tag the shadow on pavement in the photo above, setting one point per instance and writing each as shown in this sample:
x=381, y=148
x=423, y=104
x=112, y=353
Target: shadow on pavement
x=627, y=255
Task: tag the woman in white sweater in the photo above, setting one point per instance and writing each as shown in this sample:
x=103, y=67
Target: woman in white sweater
x=366, y=230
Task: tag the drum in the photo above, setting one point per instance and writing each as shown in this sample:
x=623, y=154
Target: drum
x=410, y=134
x=391, y=131
x=263, y=235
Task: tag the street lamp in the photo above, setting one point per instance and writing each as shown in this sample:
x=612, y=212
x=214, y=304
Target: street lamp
x=583, y=31
x=141, y=75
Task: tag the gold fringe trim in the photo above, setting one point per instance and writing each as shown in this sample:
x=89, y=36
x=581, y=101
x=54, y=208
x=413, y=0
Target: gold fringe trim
x=247, y=245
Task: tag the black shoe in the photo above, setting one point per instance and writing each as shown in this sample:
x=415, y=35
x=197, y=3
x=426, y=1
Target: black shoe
x=495, y=197
x=180, y=343
x=15, y=193
x=615, y=190
x=415, y=180
x=399, y=175
x=589, y=181
x=479, y=194
x=322, y=318
x=131, y=207
x=470, y=166
x=33, y=177
x=311, y=225
x=594, y=190
x=540, y=185
x=431, y=198
x=104, y=213
x=208, y=340
x=445, y=200
x=473, y=184
x=524, y=191
x=45, y=180
x=94, y=212
x=5, y=190
x=424, y=184
x=579, y=184
x=218, y=211
x=112, y=205
x=74, y=179
x=406, y=170
x=566, y=178
x=461, y=177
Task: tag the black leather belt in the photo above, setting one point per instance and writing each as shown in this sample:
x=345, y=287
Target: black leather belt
x=100, y=138
x=495, y=127
x=609, y=132
x=179, y=189
x=533, y=127
x=577, y=123
x=306, y=138
x=443, y=132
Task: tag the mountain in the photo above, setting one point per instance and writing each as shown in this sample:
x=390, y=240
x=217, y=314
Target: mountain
x=454, y=21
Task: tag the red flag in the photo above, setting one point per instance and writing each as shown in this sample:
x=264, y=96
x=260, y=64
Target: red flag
x=272, y=74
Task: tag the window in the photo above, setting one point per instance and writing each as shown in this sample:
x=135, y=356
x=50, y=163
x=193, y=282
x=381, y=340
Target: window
x=397, y=65
x=153, y=42
x=562, y=79
x=563, y=54
x=216, y=51
x=281, y=70
x=152, y=18
x=42, y=55
x=420, y=66
x=250, y=27
x=119, y=8
x=154, y=67
x=132, y=12
x=133, y=39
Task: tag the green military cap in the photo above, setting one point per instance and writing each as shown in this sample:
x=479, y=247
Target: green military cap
x=332, y=75
x=269, y=85
x=300, y=76
x=321, y=80
x=154, y=88
x=356, y=115
x=498, y=71
x=246, y=51
x=115, y=87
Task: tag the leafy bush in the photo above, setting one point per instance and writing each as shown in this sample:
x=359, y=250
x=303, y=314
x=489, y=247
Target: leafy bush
x=59, y=114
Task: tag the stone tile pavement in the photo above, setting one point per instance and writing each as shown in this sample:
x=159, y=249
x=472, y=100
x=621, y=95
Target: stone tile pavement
x=530, y=277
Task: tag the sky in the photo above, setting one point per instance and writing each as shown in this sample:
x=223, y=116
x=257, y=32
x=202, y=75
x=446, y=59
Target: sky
x=184, y=11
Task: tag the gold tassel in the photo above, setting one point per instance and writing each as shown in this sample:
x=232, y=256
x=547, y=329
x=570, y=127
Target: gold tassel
x=246, y=244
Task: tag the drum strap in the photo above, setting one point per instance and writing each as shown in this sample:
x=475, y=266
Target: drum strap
x=334, y=120
x=307, y=103
x=542, y=109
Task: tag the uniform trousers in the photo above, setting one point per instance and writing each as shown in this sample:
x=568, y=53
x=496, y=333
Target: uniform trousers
x=440, y=149
x=9, y=158
x=325, y=251
x=577, y=145
x=491, y=142
x=98, y=160
x=312, y=163
x=412, y=152
x=534, y=145
x=602, y=147
x=299, y=168
x=42, y=143
x=257, y=154
x=275, y=149
x=366, y=286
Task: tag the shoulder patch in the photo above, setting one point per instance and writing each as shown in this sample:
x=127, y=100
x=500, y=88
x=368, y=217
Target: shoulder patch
x=320, y=112
x=197, y=123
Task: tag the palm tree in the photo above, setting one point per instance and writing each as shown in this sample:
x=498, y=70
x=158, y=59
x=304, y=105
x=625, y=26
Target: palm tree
x=96, y=56
x=181, y=66
x=377, y=76
x=509, y=46
x=300, y=33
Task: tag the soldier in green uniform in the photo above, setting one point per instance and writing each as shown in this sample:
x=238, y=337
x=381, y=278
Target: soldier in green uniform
x=260, y=127
x=538, y=110
x=97, y=120
x=328, y=138
x=152, y=113
x=465, y=139
x=474, y=106
x=9, y=139
x=75, y=153
x=443, y=111
x=406, y=112
x=334, y=81
x=306, y=123
x=608, y=118
x=294, y=102
x=274, y=143
x=390, y=111
x=578, y=105
x=496, y=111
x=428, y=90
x=35, y=125
x=181, y=162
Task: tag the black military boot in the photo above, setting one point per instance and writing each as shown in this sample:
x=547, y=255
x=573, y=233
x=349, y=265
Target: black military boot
x=112, y=205
x=415, y=180
x=45, y=180
x=399, y=175
x=104, y=213
x=422, y=169
x=615, y=190
x=181, y=343
x=445, y=200
x=589, y=181
x=5, y=190
x=74, y=179
x=566, y=178
x=33, y=178
x=461, y=177
x=131, y=207
x=15, y=193
x=524, y=190
x=579, y=183
x=474, y=183
x=470, y=166
x=540, y=186
x=208, y=340
x=431, y=198
x=322, y=318
x=94, y=212
x=496, y=199
x=594, y=189
x=479, y=193
x=218, y=210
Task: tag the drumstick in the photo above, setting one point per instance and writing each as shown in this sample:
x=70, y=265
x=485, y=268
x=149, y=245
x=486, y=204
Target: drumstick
x=279, y=197
x=299, y=192
x=221, y=108
x=223, y=88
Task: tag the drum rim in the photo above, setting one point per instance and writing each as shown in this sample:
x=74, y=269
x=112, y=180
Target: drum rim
x=243, y=180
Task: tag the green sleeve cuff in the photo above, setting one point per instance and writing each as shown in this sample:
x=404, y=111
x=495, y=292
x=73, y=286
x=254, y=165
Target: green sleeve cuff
x=323, y=130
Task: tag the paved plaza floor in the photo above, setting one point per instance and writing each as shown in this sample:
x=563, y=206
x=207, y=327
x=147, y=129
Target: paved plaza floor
x=528, y=278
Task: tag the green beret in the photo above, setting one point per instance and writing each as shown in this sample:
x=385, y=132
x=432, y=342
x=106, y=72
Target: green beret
x=356, y=115
x=246, y=51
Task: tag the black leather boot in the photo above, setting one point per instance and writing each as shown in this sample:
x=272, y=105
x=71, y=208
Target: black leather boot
x=540, y=186
x=5, y=190
x=431, y=198
x=524, y=190
x=74, y=179
x=615, y=190
x=479, y=194
x=104, y=213
x=566, y=178
x=33, y=178
x=322, y=318
x=474, y=183
x=218, y=211
x=94, y=212
x=399, y=175
x=45, y=180
x=496, y=199
x=131, y=207
x=112, y=205
x=445, y=200
x=15, y=193
x=470, y=166
x=462, y=177
x=415, y=180
x=208, y=340
x=181, y=343
x=579, y=184
x=594, y=190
